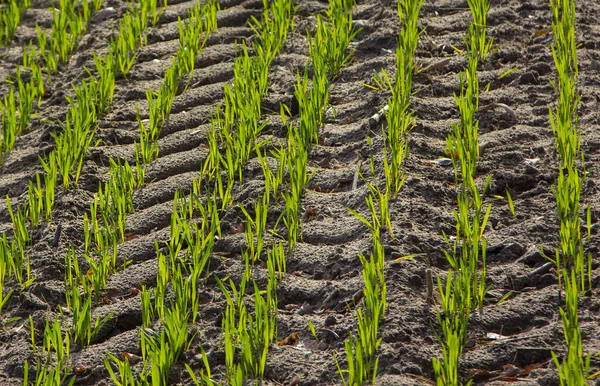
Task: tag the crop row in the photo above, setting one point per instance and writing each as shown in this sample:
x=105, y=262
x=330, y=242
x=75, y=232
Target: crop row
x=232, y=140
x=465, y=286
x=93, y=97
x=161, y=346
x=574, y=268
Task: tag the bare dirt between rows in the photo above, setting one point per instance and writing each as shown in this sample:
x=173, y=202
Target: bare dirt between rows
x=324, y=273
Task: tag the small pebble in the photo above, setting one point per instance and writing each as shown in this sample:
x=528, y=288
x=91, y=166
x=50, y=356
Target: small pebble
x=443, y=161
x=305, y=309
x=103, y=14
x=330, y=321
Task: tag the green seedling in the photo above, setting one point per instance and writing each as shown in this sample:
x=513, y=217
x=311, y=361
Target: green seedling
x=10, y=18
x=453, y=321
x=361, y=349
x=508, y=72
x=205, y=374
x=273, y=180
x=381, y=81
x=9, y=122
x=511, y=205
x=478, y=29
x=35, y=201
x=201, y=21
x=5, y=268
x=311, y=104
x=271, y=31
x=463, y=144
x=18, y=219
x=252, y=334
x=574, y=369
x=55, y=341
x=256, y=227
x=125, y=377
x=299, y=177
x=276, y=259
x=313, y=331
x=332, y=39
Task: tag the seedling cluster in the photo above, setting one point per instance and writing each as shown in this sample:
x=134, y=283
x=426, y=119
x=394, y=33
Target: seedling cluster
x=104, y=227
x=465, y=286
x=10, y=18
x=200, y=22
x=250, y=319
x=573, y=266
x=361, y=350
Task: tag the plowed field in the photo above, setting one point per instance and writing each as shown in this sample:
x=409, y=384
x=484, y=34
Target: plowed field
x=324, y=273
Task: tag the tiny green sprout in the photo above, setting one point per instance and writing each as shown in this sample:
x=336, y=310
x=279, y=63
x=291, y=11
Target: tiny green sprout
x=508, y=72
x=511, y=205
x=311, y=326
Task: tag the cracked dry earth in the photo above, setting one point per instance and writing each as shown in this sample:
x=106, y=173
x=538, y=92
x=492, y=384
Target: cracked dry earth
x=325, y=272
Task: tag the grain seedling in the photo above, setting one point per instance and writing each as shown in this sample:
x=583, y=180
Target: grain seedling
x=50, y=166
x=161, y=101
x=256, y=227
x=125, y=377
x=332, y=39
x=273, y=180
x=26, y=99
x=299, y=177
x=35, y=201
x=10, y=18
x=205, y=374
x=276, y=259
x=570, y=258
x=154, y=10
x=453, y=320
x=463, y=143
x=564, y=122
x=18, y=219
x=400, y=119
x=147, y=148
x=103, y=92
x=5, y=268
x=271, y=31
x=252, y=334
x=511, y=205
x=465, y=287
x=132, y=35
x=9, y=122
x=16, y=114
x=44, y=49
x=191, y=41
x=478, y=29
x=67, y=25
x=311, y=104
x=53, y=341
x=574, y=369
x=80, y=306
x=73, y=142
x=361, y=349
x=168, y=346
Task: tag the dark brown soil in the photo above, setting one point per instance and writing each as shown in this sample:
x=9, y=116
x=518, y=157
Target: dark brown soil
x=325, y=272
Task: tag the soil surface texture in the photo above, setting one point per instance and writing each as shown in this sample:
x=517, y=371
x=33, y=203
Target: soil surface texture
x=510, y=342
